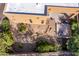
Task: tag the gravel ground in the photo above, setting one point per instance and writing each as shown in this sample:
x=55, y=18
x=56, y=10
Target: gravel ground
x=61, y=53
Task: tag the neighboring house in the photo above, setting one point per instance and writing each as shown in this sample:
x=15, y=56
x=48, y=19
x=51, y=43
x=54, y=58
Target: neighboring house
x=41, y=13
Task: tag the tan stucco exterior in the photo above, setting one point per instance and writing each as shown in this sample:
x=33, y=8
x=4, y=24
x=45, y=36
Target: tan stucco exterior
x=24, y=18
x=67, y=10
x=37, y=19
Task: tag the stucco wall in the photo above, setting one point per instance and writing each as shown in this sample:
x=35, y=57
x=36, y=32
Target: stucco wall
x=67, y=10
x=24, y=18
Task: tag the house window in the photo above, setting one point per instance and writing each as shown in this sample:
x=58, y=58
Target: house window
x=50, y=28
x=30, y=20
x=42, y=22
x=51, y=18
x=37, y=17
x=49, y=9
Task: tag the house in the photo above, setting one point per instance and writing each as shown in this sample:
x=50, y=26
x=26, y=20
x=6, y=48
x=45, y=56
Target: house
x=39, y=14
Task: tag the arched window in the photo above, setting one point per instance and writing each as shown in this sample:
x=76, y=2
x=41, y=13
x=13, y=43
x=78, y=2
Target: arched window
x=37, y=17
x=50, y=28
x=49, y=9
x=30, y=20
x=51, y=18
x=42, y=22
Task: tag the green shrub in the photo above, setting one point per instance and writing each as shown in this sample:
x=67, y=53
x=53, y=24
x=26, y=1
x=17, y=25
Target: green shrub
x=6, y=42
x=5, y=24
x=74, y=26
x=20, y=45
x=44, y=46
x=8, y=39
x=21, y=27
x=73, y=42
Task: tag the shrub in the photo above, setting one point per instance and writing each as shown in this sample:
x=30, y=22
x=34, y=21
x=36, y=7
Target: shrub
x=6, y=41
x=5, y=24
x=44, y=46
x=74, y=26
x=20, y=45
x=21, y=27
x=73, y=42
